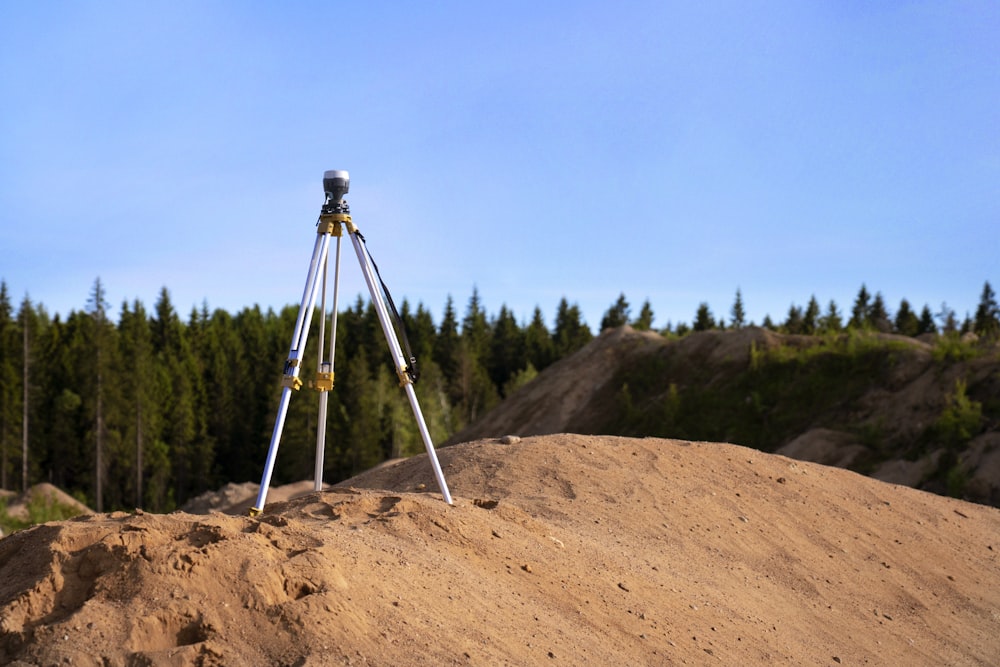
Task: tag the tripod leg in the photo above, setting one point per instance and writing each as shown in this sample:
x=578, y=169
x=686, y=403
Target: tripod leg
x=326, y=367
x=428, y=445
x=399, y=360
x=292, y=366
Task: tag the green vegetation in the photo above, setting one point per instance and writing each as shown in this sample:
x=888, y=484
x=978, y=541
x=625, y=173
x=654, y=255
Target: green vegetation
x=960, y=420
x=154, y=409
x=784, y=390
x=41, y=509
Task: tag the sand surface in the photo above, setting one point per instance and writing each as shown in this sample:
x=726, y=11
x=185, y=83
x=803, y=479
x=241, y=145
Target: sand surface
x=558, y=550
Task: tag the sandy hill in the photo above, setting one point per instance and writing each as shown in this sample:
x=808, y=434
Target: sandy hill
x=867, y=403
x=558, y=550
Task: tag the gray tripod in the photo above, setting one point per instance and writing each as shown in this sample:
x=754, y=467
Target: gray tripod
x=334, y=217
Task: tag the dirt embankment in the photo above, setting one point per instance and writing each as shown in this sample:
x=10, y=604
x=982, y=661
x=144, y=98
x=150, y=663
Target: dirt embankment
x=867, y=403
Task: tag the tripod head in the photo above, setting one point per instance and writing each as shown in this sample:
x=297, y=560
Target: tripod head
x=336, y=183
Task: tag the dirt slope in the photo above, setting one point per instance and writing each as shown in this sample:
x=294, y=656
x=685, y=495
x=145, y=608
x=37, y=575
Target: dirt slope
x=561, y=549
x=876, y=421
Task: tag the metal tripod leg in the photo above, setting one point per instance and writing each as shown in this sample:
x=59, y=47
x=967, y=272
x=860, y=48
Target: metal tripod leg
x=291, y=380
x=398, y=359
x=325, y=369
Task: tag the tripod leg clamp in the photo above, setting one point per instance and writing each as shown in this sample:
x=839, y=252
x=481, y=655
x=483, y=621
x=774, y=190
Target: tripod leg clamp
x=291, y=379
x=323, y=382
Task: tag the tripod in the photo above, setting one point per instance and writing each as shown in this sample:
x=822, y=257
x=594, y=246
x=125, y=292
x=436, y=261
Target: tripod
x=334, y=218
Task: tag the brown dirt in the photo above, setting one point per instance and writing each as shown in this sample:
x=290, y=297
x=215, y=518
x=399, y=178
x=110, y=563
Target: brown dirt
x=559, y=549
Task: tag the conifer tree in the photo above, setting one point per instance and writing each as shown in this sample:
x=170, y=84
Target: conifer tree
x=364, y=418
x=65, y=452
x=794, y=322
x=906, y=322
x=539, y=348
x=419, y=330
x=25, y=318
x=446, y=343
x=926, y=324
x=97, y=307
x=737, y=314
x=9, y=395
x=616, y=315
x=476, y=328
x=810, y=319
x=703, y=320
x=475, y=391
x=946, y=316
x=831, y=322
x=137, y=357
x=879, y=316
x=507, y=348
x=184, y=432
x=644, y=322
x=861, y=312
x=571, y=332
x=987, y=322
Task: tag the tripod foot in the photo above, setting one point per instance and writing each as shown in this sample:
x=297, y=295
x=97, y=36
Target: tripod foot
x=255, y=511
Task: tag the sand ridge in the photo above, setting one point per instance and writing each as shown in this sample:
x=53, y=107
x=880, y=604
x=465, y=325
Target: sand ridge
x=560, y=549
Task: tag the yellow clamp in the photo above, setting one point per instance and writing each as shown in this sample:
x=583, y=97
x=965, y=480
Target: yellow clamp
x=323, y=382
x=291, y=382
x=254, y=511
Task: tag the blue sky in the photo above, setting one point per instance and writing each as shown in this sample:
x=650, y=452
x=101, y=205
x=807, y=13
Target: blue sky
x=670, y=151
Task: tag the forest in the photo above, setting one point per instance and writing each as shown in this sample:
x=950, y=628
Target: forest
x=155, y=409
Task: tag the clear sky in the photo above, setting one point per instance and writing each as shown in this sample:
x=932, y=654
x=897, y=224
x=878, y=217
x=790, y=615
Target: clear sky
x=670, y=151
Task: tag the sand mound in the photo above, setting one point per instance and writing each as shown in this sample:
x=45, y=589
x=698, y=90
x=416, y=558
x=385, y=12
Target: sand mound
x=558, y=550
x=47, y=493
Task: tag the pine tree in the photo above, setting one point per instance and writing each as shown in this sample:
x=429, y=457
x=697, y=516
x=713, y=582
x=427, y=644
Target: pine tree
x=831, y=322
x=364, y=415
x=508, y=353
x=906, y=322
x=97, y=307
x=446, y=343
x=926, y=324
x=703, y=320
x=571, y=332
x=810, y=319
x=25, y=318
x=644, y=322
x=737, y=315
x=794, y=322
x=476, y=328
x=64, y=388
x=137, y=356
x=9, y=394
x=539, y=348
x=879, y=316
x=946, y=316
x=419, y=330
x=861, y=312
x=183, y=428
x=617, y=315
x=987, y=322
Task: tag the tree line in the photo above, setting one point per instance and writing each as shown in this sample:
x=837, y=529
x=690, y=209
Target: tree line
x=154, y=409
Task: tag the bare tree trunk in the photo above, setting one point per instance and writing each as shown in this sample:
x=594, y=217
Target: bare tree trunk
x=100, y=438
x=24, y=416
x=3, y=448
x=138, y=452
